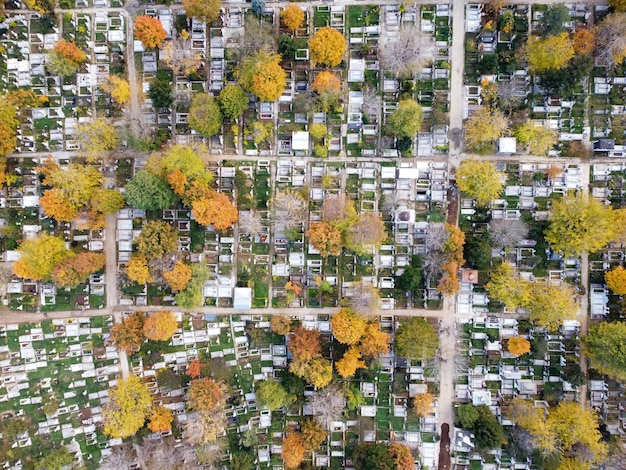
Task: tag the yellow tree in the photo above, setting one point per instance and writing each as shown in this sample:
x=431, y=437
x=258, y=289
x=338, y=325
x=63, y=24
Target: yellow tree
x=160, y=326
x=118, y=88
x=327, y=47
x=349, y=363
x=97, y=138
x=150, y=32
x=616, y=280
x=507, y=287
x=423, y=404
x=55, y=206
x=347, y=326
x=178, y=277
x=280, y=324
x=579, y=223
x=160, y=419
x=374, y=342
x=137, y=269
x=216, y=210
x=292, y=16
x=550, y=53
x=39, y=256
x=312, y=433
x=539, y=139
x=207, y=10
x=180, y=57
x=127, y=409
x=551, y=304
x=484, y=127
x=518, y=346
x=480, y=180
x=262, y=75
x=318, y=372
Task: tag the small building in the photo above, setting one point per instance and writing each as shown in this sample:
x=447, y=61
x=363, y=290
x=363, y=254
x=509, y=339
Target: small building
x=469, y=276
x=243, y=298
x=507, y=145
x=300, y=140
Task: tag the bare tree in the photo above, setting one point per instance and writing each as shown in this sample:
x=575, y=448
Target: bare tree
x=509, y=95
x=371, y=103
x=178, y=55
x=204, y=428
x=211, y=454
x=432, y=263
x=364, y=299
x=327, y=405
x=288, y=210
x=166, y=454
x=250, y=223
x=406, y=54
x=505, y=233
x=259, y=36
x=120, y=458
x=436, y=236
x=611, y=39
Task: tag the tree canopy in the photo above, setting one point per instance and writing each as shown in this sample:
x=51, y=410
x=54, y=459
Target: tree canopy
x=39, y=256
x=406, y=120
x=205, y=115
x=480, y=180
x=325, y=238
x=606, y=347
x=292, y=16
x=149, y=192
x=616, y=280
x=128, y=335
x=293, y=450
x=127, y=409
x=408, y=52
x=417, y=339
x=349, y=363
x=539, y=139
x=65, y=58
x=484, y=127
x=327, y=47
x=207, y=10
x=551, y=53
x=157, y=239
x=580, y=223
x=160, y=326
x=118, y=88
x=305, y=344
x=149, y=31
x=272, y=394
x=262, y=75
x=347, y=326
x=233, y=100
x=74, y=270
x=518, y=346
x=611, y=39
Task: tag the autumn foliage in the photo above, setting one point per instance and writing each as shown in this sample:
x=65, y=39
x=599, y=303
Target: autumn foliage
x=374, y=342
x=127, y=409
x=280, y=324
x=312, y=433
x=305, y=344
x=325, y=238
x=216, y=210
x=118, y=88
x=293, y=450
x=160, y=419
x=349, y=363
x=205, y=394
x=326, y=82
x=401, y=456
x=327, y=47
x=616, y=280
x=178, y=277
x=160, y=326
x=423, y=404
x=56, y=207
x=347, y=326
x=137, y=269
x=292, y=16
x=194, y=369
x=262, y=75
x=518, y=346
x=77, y=269
x=128, y=335
x=70, y=52
x=149, y=31
x=39, y=256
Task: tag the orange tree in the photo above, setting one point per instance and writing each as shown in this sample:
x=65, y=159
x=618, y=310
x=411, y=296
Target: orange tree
x=280, y=324
x=349, y=363
x=262, y=75
x=215, y=209
x=160, y=326
x=150, y=32
x=205, y=394
x=305, y=344
x=293, y=450
x=75, y=270
x=292, y=16
x=327, y=47
x=128, y=335
x=326, y=82
x=194, y=369
x=160, y=419
x=55, y=206
x=325, y=238
x=65, y=58
x=374, y=342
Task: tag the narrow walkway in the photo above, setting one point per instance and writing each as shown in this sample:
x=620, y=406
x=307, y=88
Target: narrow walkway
x=583, y=316
x=457, y=57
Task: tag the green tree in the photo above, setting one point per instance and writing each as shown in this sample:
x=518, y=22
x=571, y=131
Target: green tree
x=157, y=239
x=580, y=223
x=411, y=278
x=466, y=415
x=55, y=460
x=183, y=159
x=205, y=116
x=107, y=201
x=488, y=432
x=416, y=339
x=147, y=191
x=39, y=256
x=606, y=347
x=192, y=297
x=477, y=252
x=160, y=92
x=480, y=180
x=368, y=456
x=406, y=120
x=551, y=53
x=553, y=19
x=272, y=394
x=233, y=101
